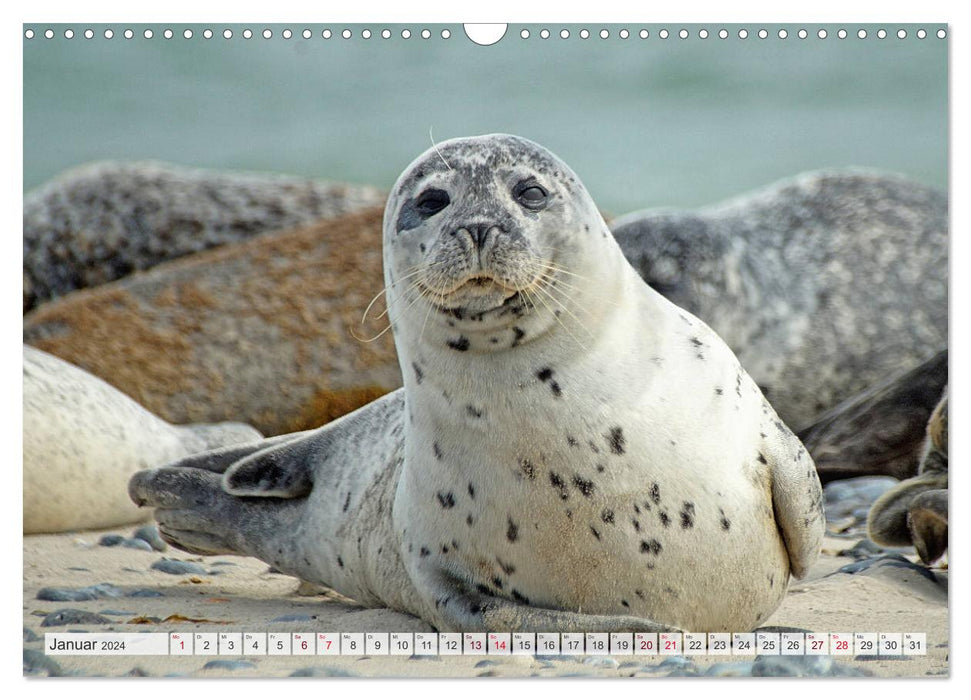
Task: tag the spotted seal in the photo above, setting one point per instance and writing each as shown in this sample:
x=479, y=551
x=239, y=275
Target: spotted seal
x=83, y=439
x=570, y=451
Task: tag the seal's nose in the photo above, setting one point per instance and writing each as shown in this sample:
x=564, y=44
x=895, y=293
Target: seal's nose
x=478, y=233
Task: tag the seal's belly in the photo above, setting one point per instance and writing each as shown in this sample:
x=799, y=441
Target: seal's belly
x=697, y=554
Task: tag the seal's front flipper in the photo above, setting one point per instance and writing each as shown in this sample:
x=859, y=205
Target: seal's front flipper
x=490, y=614
x=456, y=609
x=797, y=499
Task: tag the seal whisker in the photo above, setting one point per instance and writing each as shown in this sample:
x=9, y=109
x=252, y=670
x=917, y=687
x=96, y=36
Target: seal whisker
x=435, y=146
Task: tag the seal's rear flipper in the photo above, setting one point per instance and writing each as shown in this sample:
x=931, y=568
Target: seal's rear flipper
x=222, y=458
x=280, y=471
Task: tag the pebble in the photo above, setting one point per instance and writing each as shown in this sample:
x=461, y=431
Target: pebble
x=137, y=672
x=487, y=674
x=227, y=665
x=730, y=669
x=601, y=662
x=224, y=563
x=37, y=662
x=864, y=549
x=792, y=666
x=322, y=672
x=96, y=592
x=424, y=657
x=486, y=662
x=111, y=540
x=853, y=497
x=177, y=567
x=294, y=618
x=116, y=612
x=70, y=616
x=149, y=533
x=676, y=662
x=146, y=593
x=135, y=543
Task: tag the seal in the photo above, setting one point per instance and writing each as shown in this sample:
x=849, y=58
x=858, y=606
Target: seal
x=824, y=284
x=83, y=440
x=915, y=511
x=570, y=451
x=103, y=221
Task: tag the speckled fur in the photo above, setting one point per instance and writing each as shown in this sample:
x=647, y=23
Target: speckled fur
x=594, y=458
x=823, y=285
x=83, y=440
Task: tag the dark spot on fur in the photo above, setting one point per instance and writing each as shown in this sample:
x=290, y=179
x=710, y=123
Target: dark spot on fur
x=508, y=569
x=639, y=594
x=471, y=491
x=637, y=525
x=555, y=388
x=665, y=520
x=497, y=582
x=544, y=374
x=593, y=447
x=557, y=482
x=762, y=458
x=347, y=502
x=423, y=552
x=527, y=468
x=446, y=500
x=625, y=603
x=637, y=509
x=585, y=487
x=462, y=344
x=572, y=441
x=468, y=520
x=340, y=562
x=493, y=340
x=519, y=597
x=473, y=412
x=519, y=334
x=483, y=589
x=697, y=343
x=687, y=515
x=607, y=516
x=437, y=450
x=616, y=441
x=512, y=532
x=718, y=390
x=652, y=546
x=656, y=493
x=419, y=375
x=726, y=524
x=601, y=468
x=444, y=549
x=594, y=531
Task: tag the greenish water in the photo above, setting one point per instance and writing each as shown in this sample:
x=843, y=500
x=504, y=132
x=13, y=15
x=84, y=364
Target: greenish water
x=643, y=122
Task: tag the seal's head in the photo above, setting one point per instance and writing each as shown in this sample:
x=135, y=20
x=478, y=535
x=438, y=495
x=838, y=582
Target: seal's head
x=487, y=230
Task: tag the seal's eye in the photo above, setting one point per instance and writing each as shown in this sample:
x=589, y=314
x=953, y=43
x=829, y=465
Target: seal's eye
x=430, y=202
x=531, y=195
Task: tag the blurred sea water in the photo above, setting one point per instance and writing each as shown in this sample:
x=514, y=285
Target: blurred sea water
x=644, y=122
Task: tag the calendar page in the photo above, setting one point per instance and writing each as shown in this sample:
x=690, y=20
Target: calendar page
x=485, y=350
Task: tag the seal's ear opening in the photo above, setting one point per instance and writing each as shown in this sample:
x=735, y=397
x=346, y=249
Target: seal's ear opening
x=276, y=472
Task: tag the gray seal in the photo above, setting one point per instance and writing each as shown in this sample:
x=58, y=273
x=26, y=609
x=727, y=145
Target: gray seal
x=84, y=439
x=824, y=284
x=570, y=450
x=103, y=221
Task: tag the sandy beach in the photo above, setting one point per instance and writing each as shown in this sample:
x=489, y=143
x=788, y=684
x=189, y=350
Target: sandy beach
x=239, y=594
